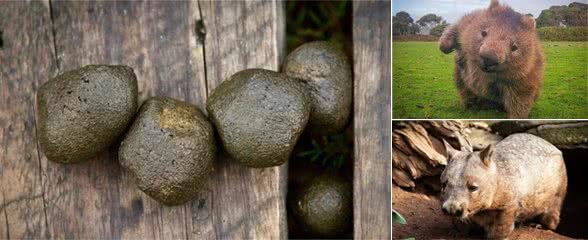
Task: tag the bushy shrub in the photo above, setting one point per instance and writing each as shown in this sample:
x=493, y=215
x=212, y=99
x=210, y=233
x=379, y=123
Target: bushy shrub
x=563, y=34
x=572, y=15
x=418, y=38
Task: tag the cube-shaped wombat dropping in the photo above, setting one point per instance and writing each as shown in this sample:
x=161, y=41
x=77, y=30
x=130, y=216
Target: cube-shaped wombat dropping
x=327, y=74
x=323, y=205
x=170, y=150
x=259, y=115
x=82, y=112
x=498, y=59
x=523, y=177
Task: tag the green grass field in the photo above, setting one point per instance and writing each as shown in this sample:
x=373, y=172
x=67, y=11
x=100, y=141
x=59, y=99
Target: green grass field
x=423, y=84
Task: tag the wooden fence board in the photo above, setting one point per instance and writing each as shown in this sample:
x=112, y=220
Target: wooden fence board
x=99, y=200
x=372, y=56
x=167, y=45
x=26, y=59
x=247, y=36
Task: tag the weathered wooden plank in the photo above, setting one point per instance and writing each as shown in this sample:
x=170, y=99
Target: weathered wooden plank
x=371, y=51
x=248, y=203
x=97, y=199
x=26, y=58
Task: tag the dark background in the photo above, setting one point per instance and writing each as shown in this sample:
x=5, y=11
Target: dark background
x=319, y=21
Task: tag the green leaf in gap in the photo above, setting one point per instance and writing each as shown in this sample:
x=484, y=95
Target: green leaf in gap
x=397, y=218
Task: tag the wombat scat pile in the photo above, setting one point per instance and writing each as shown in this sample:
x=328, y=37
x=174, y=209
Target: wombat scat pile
x=522, y=178
x=170, y=148
x=498, y=59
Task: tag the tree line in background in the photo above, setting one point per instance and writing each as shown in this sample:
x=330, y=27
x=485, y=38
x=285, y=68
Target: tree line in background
x=568, y=23
x=573, y=15
x=429, y=24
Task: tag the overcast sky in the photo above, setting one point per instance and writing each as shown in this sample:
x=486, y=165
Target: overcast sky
x=452, y=10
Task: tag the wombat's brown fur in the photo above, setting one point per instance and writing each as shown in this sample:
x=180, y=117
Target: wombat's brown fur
x=522, y=178
x=498, y=60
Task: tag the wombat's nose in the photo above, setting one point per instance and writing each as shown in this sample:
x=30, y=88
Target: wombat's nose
x=458, y=212
x=489, y=59
x=452, y=209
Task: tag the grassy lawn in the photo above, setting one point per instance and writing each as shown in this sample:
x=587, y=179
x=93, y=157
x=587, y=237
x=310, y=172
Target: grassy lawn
x=423, y=84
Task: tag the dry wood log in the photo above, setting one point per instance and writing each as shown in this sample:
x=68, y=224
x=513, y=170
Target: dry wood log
x=418, y=150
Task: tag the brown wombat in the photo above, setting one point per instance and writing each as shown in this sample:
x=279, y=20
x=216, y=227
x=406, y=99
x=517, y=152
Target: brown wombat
x=498, y=60
x=522, y=178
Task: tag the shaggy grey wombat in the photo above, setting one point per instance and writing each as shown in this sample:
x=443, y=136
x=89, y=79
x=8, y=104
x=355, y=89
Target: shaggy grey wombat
x=498, y=60
x=521, y=178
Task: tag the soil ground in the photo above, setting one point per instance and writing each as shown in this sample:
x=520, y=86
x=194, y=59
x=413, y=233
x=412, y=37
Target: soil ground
x=425, y=220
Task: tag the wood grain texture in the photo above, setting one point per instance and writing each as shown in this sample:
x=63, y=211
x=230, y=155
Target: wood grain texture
x=99, y=199
x=26, y=58
x=165, y=44
x=372, y=56
x=250, y=35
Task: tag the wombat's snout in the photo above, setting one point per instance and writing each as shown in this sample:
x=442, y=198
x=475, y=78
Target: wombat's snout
x=491, y=56
x=489, y=61
x=453, y=209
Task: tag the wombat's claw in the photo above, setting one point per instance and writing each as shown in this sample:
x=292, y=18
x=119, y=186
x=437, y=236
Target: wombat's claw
x=535, y=225
x=549, y=222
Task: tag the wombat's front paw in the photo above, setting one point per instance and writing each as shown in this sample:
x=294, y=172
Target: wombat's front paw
x=550, y=221
x=517, y=111
x=500, y=231
x=447, y=43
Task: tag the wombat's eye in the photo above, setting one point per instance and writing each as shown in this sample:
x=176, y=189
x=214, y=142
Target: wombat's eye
x=472, y=187
x=513, y=48
x=484, y=33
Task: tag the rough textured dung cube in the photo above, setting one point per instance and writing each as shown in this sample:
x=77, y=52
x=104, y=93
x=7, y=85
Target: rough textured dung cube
x=170, y=150
x=327, y=74
x=323, y=205
x=259, y=115
x=82, y=112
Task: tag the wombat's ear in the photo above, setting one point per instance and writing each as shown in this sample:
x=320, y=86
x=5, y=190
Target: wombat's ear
x=528, y=22
x=486, y=154
x=450, y=150
x=494, y=4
